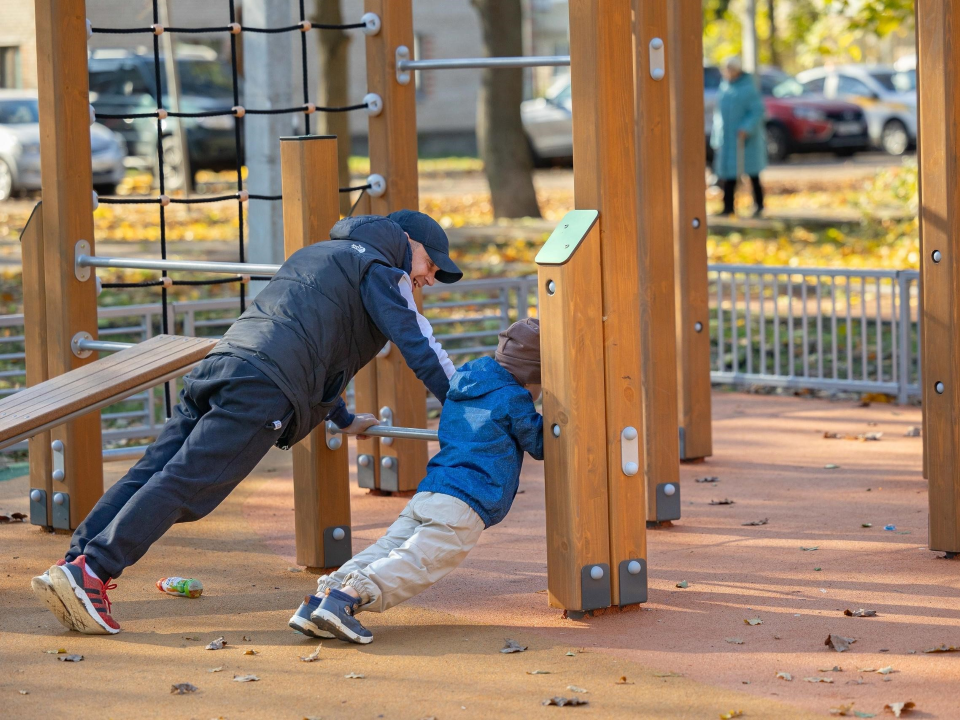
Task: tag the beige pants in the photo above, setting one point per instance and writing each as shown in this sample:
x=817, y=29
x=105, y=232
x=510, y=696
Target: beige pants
x=431, y=537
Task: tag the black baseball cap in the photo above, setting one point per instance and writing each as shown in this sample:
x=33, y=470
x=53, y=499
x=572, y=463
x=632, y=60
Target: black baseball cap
x=427, y=231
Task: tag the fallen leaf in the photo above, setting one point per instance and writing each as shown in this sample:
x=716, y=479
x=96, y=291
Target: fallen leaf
x=912, y=431
x=886, y=670
x=831, y=466
x=539, y=672
x=756, y=522
x=707, y=480
x=667, y=674
x=842, y=710
x=857, y=713
x=354, y=676
x=819, y=680
x=866, y=669
x=785, y=676
x=816, y=569
x=734, y=641
x=683, y=584
x=835, y=668
x=866, y=524
x=216, y=669
x=183, y=689
x=18, y=516
x=571, y=654
x=251, y=651
x=810, y=549
x=59, y=651
x=512, y=646
x=187, y=637
x=312, y=657
x=731, y=714
x=69, y=658
x=574, y=688
x=899, y=707
x=623, y=681
x=216, y=644
x=833, y=436
x=860, y=613
x=725, y=501
x=754, y=621
x=294, y=569
x=838, y=642
x=244, y=639
x=940, y=649
x=245, y=678
x=562, y=701
x=23, y=692
x=869, y=437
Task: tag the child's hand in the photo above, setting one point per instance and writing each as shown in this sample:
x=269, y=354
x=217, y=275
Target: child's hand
x=361, y=422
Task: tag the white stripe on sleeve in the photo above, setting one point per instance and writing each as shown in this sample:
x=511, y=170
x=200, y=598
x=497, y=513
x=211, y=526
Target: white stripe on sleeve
x=406, y=290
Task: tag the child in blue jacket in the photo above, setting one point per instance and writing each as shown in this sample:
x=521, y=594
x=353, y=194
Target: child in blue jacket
x=488, y=422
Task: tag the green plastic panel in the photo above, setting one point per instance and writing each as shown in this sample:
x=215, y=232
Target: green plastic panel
x=566, y=237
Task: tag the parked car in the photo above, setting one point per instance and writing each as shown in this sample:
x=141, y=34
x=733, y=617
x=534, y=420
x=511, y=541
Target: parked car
x=888, y=97
x=122, y=83
x=548, y=122
x=20, y=147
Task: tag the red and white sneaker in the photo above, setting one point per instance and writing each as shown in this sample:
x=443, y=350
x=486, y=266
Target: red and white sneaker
x=42, y=587
x=84, y=597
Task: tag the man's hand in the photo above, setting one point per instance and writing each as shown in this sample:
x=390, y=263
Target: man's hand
x=361, y=422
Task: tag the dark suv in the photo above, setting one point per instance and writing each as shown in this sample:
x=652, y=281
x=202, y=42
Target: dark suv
x=122, y=83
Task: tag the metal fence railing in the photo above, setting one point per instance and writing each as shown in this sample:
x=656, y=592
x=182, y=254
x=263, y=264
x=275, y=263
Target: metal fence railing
x=825, y=329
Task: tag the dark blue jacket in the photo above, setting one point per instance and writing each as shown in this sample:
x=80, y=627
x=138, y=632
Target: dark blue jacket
x=487, y=423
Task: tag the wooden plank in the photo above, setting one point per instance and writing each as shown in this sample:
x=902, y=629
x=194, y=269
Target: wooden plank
x=938, y=69
x=393, y=154
x=35, y=346
x=685, y=75
x=575, y=462
x=68, y=217
x=321, y=476
x=604, y=174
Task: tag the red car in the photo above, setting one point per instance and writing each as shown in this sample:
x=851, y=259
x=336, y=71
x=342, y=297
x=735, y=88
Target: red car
x=799, y=121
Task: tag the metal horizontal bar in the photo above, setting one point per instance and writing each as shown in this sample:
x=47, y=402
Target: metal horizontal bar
x=181, y=265
x=528, y=61
x=396, y=432
x=802, y=271
x=800, y=382
x=103, y=345
x=124, y=453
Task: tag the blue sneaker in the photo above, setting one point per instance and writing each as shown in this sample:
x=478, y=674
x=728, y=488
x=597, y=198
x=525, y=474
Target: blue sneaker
x=302, y=623
x=335, y=615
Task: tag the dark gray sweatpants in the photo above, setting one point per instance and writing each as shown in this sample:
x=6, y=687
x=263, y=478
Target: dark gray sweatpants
x=229, y=416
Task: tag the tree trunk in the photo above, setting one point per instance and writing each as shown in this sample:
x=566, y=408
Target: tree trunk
x=774, y=50
x=332, y=88
x=500, y=136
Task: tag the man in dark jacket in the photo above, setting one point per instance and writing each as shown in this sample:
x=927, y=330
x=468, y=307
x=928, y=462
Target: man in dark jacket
x=488, y=422
x=278, y=372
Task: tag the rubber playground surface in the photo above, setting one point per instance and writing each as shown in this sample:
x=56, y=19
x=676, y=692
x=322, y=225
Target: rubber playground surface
x=688, y=653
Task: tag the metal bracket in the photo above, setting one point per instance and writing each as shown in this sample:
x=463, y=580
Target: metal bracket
x=630, y=451
x=75, y=344
x=403, y=53
x=657, y=64
x=366, y=472
x=61, y=511
x=595, y=586
x=81, y=248
x=389, y=474
x=668, y=501
x=38, y=507
x=683, y=443
x=333, y=438
x=633, y=581
x=337, y=548
x=58, y=474
x=386, y=419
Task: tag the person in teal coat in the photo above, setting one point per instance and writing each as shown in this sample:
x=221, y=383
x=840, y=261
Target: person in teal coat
x=738, y=138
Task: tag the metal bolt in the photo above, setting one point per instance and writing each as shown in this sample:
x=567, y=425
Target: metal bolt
x=698, y=326
x=937, y=257
x=669, y=489
x=57, y=446
x=556, y=430
x=338, y=534
x=58, y=475
x=630, y=433
x=59, y=499
x=387, y=462
x=551, y=287
x=334, y=443
x=363, y=461
x=696, y=222
x=939, y=388
x=36, y=495
x=631, y=469
x=596, y=572
x=634, y=568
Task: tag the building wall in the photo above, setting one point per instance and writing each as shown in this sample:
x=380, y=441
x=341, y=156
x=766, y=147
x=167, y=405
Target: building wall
x=17, y=31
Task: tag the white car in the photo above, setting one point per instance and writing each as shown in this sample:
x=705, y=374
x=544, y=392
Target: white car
x=887, y=95
x=20, y=147
x=548, y=122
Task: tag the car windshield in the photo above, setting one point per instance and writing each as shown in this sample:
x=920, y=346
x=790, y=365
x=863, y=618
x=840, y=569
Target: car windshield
x=789, y=88
x=19, y=112
x=206, y=79
x=897, y=81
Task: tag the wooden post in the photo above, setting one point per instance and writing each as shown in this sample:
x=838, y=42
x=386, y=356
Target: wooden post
x=35, y=348
x=574, y=432
x=321, y=475
x=71, y=303
x=393, y=154
x=685, y=75
x=601, y=55
x=938, y=72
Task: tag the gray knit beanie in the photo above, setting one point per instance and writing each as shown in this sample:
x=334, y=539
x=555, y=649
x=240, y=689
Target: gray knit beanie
x=518, y=351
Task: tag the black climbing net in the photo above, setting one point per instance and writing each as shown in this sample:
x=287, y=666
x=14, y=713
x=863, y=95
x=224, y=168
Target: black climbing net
x=237, y=112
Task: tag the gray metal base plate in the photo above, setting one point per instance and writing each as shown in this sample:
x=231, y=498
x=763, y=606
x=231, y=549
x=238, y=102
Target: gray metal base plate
x=668, y=506
x=61, y=512
x=336, y=552
x=38, y=508
x=367, y=476
x=390, y=476
x=633, y=587
x=594, y=594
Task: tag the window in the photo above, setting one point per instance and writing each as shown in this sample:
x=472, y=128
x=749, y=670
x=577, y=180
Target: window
x=815, y=85
x=711, y=78
x=10, y=67
x=19, y=112
x=125, y=80
x=847, y=85
x=897, y=81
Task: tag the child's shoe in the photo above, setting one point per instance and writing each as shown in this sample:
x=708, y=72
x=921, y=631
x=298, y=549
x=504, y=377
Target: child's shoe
x=302, y=623
x=335, y=615
x=43, y=588
x=84, y=597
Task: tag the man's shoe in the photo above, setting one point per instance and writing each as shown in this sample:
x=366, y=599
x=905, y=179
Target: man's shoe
x=42, y=587
x=302, y=623
x=84, y=597
x=335, y=615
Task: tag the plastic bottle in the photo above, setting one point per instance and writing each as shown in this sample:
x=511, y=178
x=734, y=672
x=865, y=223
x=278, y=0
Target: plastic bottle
x=183, y=587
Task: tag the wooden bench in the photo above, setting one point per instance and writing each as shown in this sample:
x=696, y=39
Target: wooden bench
x=98, y=384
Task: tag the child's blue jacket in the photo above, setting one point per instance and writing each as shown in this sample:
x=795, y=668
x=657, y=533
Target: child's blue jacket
x=487, y=422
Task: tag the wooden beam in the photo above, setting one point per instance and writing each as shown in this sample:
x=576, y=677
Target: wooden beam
x=685, y=75
x=71, y=304
x=321, y=475
x=393, y=154
x=938, y=72
x=604, y=174
x=35, y=348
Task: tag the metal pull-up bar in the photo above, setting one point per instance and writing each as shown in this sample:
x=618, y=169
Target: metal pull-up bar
x=405, y=64
x=389, y=431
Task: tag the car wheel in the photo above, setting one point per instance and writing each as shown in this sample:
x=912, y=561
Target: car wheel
x=105, y=189
x=173, y=175
x=535, y=158
x=778, y=144
x=894, y=140
x=6, y=181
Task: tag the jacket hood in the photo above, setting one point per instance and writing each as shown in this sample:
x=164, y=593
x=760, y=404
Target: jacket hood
x=478, y=378
x=380, y=233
